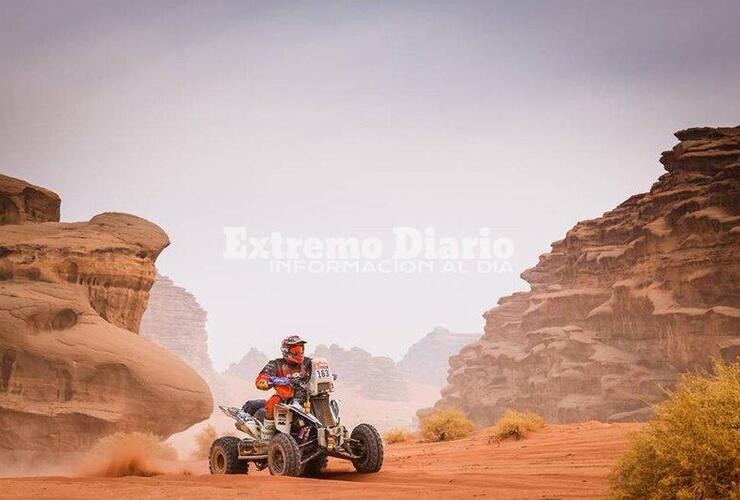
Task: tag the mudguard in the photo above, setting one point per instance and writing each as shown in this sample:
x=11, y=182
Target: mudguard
x=284, y=416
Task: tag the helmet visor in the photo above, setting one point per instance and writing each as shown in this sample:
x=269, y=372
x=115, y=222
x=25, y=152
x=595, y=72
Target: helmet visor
x=296, y=349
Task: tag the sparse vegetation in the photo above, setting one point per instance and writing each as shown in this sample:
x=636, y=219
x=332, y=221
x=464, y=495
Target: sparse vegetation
x=396, y=436
x=203, y=441
x=517, y=424
x=692, y=447
x=446, y=424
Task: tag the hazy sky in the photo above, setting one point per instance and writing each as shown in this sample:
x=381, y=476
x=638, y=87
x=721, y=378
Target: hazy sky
x=346, y=118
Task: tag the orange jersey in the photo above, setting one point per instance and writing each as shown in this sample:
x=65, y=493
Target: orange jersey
x=280, y=368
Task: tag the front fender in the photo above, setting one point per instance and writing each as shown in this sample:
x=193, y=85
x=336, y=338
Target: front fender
x=284, y=417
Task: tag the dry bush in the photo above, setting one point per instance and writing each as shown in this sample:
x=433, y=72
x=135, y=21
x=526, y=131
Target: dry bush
x=517, y=424
x=446, y=424
x=203, y=441
x=692, y=447
x=396, y=436
x=126, y=454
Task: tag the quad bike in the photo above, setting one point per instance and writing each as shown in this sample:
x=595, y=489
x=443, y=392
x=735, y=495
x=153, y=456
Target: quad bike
x=307, y=432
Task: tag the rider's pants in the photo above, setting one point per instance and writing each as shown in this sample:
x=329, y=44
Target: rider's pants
x=283, y=393
x=270, y=406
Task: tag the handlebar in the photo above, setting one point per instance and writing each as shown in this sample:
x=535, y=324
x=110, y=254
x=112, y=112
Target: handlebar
x=278, y=381
x=291, y=381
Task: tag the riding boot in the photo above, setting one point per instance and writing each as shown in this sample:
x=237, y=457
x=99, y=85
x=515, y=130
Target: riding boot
x=268, y=428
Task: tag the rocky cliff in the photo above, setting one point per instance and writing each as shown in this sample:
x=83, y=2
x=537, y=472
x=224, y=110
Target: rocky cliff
x=72, y=367
x=174, y=320
x=623, y=304
x=427, y=361
x=21, y=202
x=375, y=377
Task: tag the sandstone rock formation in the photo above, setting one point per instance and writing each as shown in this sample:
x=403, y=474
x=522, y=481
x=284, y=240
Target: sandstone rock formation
x=111, y=257
x=174, y=320
x=21, y=202
x=375, y=377
x=72, y=367
x=623, y=304
x=427, y=361
x=249, y=366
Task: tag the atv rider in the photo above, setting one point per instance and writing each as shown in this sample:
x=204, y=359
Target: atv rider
x=293, y=363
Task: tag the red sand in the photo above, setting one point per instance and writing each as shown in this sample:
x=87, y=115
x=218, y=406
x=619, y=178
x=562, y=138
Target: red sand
x=563, y=461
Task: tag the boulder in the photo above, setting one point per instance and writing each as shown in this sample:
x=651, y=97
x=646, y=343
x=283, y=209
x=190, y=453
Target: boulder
x=72, y=366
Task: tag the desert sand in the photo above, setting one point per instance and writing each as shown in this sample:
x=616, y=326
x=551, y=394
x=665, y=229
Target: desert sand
x=562, y=461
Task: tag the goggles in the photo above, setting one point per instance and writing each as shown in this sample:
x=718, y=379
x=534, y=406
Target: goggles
x=296, y=349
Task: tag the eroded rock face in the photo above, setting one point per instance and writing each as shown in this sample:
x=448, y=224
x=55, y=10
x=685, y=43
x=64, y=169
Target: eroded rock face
x=427, y=361
x=623, y=304
x=21, y=202
x=111, y=258
x=174, y=320
x=72, y=367
x=376, y=377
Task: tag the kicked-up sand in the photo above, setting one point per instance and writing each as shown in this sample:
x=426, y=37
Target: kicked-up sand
x=560, y=461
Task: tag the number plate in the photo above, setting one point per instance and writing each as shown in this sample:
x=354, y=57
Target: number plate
x=321, y=370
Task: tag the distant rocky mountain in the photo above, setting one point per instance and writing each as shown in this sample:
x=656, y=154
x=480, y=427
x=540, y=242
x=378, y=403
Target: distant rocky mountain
x=249, y=366
x=427, y=361
x=175, y=320
x=624, y=304
x=376, y=377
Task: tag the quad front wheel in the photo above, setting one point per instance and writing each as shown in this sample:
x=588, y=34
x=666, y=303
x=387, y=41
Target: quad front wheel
x=284, y=456
x=369, y=448
x=224, y=457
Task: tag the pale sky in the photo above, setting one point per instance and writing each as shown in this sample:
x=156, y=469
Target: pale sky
x=349, y=118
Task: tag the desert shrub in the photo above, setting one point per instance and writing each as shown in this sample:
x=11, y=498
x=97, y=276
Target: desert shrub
x=517, y=424
x=445, y=424
x=692, y=447
x=204, y=439
x=396, y=436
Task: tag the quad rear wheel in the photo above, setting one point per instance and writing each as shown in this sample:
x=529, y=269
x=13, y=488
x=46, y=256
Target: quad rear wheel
x=224, y=457
x=369, y=447
x=284, y=456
